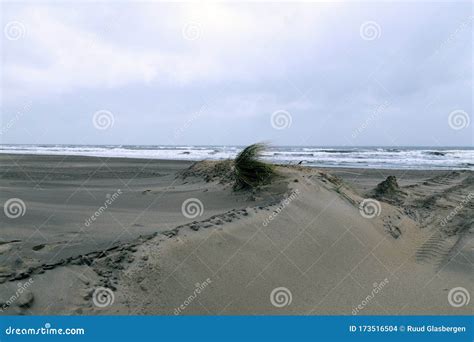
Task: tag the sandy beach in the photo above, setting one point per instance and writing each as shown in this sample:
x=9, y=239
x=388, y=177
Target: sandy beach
x=173, y=238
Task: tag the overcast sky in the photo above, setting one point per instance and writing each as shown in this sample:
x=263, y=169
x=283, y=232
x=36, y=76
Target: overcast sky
x=223, y=74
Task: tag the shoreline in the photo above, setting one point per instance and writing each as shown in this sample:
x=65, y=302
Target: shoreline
x=190, y=161
x=305, y=233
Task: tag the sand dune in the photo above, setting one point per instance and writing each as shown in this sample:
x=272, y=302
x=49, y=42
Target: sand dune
x=311, y=243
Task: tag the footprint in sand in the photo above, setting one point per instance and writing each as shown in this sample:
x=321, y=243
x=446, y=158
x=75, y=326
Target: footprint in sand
x=47, y=246
x=5, y=246
x=38, y=247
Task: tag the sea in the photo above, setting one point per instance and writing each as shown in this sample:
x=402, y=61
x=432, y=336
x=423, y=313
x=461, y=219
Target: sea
x=425, y=158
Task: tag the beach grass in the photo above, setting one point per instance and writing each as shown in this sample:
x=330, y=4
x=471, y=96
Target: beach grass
x=250, y=171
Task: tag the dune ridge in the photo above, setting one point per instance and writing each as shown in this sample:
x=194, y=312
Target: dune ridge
x=309, y=234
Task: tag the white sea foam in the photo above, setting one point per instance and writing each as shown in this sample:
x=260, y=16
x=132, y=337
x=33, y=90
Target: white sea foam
x=363, y=157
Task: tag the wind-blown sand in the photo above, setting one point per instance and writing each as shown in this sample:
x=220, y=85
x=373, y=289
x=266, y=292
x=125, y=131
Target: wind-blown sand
x=303, y=237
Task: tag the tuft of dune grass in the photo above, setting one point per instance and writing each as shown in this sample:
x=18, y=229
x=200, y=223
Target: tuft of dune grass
x=250, y=171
